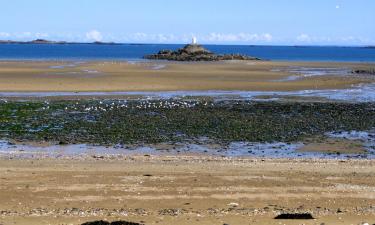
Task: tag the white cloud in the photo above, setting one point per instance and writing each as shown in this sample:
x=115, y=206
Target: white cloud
x=303, y=38
x=337, y=7
x=94, y=35
x=24, y=35
x=140, y=36
x=239, y=37
x=211, y=38
x=166, y=38
x=268, y=37
x=150, y=38
x=324, y=40
x=186, y=38
x=41, y=35
x=27, y=36
x=4, y=35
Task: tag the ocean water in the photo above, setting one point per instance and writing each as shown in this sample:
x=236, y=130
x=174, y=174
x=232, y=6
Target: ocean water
x=137, y=51
x=234, y=149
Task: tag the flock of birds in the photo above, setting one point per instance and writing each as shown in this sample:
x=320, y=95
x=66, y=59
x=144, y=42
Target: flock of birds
x=104, y=106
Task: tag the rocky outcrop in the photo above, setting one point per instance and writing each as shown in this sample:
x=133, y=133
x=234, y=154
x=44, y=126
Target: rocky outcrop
x=195, y=52
x=43, y=41
x=365, y=72
x=37, y=41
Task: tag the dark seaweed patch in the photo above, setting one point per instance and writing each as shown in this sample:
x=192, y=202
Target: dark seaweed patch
x=136, y=122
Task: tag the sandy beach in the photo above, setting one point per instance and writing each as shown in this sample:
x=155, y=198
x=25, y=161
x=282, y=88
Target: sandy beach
x=178, y=188
x=106, y=76
x=184, y=190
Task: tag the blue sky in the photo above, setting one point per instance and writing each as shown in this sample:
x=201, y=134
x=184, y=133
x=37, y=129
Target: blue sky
x=271, y=22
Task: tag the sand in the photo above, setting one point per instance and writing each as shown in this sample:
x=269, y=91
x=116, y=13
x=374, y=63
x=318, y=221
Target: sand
x=184, y=190
x=47, y=76
x=335, y=146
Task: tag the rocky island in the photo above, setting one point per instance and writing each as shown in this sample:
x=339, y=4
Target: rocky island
x=195, y=52
x=48, y=42
x=37, y=41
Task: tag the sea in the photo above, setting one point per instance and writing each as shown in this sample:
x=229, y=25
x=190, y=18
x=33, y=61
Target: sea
x=137, y=51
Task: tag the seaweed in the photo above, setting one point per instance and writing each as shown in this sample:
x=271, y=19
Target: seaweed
x=114, y=122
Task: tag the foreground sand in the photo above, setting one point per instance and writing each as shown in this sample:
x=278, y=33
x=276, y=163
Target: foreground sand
x=167, y=76
x=185, y=190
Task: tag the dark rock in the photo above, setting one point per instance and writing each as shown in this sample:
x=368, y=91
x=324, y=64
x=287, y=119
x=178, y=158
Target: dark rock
x=194, y=49
x=40, y=41
x=124, y=223
x=62, y=143
x=43, y=41
x=104, y=43
x=362, y=71
x=165, y=52
x=294, y=216
x=194, y=52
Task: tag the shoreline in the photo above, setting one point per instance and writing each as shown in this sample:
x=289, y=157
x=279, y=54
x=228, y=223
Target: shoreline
x=356, y=93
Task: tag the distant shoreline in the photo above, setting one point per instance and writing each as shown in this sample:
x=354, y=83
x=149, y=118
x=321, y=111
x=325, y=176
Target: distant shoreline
x=46, y=42
x=49, y=42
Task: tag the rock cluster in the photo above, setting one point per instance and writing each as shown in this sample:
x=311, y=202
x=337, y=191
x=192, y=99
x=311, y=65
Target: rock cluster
x=362, y=71
x=194, y=52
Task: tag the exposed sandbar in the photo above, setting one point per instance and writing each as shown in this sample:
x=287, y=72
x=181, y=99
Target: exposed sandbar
x=48, y=76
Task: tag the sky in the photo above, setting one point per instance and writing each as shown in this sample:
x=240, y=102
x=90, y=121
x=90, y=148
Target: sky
x=254, y=22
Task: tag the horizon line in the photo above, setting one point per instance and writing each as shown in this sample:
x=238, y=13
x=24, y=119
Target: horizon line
x=46, y=42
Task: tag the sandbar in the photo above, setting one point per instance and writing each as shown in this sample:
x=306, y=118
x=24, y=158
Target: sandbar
x=112, y=76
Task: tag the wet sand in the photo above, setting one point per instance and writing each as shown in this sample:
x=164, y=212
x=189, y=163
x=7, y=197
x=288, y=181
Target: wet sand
x=334, y=146
x=185, y=190
x=46, y=76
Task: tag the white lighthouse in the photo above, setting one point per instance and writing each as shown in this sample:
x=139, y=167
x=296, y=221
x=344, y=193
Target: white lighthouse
x=194, y=41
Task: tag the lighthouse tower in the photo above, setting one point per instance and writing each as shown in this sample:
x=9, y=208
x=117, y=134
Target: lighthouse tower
x=194, y=41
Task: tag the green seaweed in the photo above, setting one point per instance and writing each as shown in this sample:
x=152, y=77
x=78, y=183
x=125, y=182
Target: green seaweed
x=118, y=122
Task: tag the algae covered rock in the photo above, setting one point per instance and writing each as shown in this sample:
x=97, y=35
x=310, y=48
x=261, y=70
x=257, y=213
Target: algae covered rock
x=195, y=52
